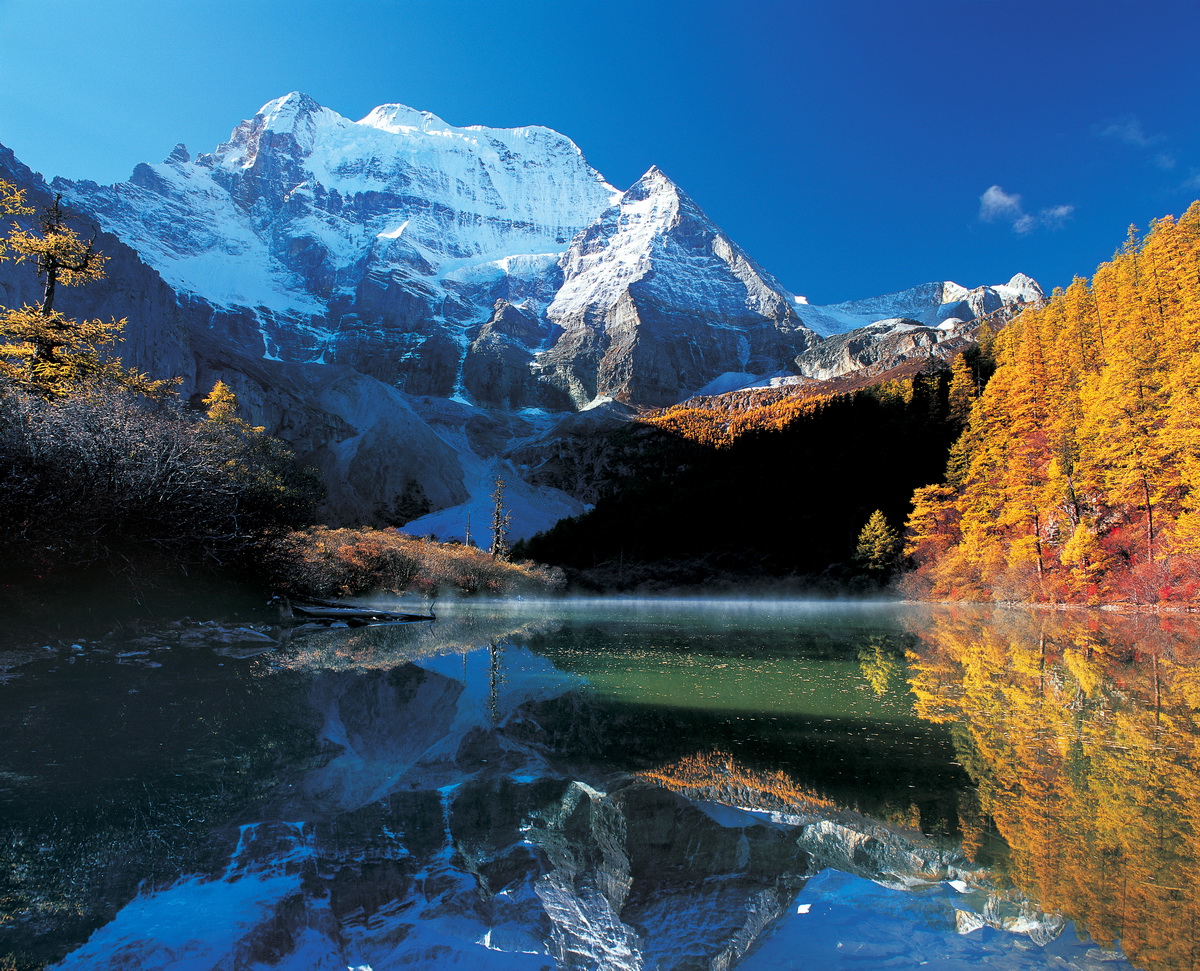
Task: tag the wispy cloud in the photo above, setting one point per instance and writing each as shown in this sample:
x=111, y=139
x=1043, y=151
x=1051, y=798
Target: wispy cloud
x=1154, y=146
x=996, y=205
x=1130, y=131
x=1055, y=217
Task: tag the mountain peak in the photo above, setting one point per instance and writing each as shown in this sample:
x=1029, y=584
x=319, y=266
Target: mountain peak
x=397, y=118
x=656, y=179
x=656, y=186
x=1022, y=281
x=294, y=102
x=1021, y=289
x=293, y=112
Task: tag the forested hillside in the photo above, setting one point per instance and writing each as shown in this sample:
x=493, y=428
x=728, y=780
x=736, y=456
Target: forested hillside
x=733, y=491
x=1077, y=476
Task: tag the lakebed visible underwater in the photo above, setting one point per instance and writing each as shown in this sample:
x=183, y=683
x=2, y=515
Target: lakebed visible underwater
x=612, y=784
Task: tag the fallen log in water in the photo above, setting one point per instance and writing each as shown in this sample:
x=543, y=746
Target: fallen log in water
x=354, y=615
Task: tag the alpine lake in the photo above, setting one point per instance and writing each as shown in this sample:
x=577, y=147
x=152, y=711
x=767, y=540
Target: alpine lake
x=187, y=784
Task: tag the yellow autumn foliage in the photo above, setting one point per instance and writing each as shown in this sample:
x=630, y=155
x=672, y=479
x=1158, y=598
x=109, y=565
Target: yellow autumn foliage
x=1078, y=478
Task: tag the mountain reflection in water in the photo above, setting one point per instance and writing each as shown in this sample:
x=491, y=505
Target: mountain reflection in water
x=590, y=785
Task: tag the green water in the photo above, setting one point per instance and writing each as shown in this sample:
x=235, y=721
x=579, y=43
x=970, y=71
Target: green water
x=797, y=666
x=818, y=691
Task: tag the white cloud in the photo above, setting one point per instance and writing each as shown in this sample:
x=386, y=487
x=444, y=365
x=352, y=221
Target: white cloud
x=996, y=205
x=1024, y=223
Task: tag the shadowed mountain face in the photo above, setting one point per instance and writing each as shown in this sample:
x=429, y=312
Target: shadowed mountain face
x=345, y=277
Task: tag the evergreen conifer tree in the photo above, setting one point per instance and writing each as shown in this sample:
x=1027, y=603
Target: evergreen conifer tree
x=962, y=391
x=41, y=350
x=878, y=545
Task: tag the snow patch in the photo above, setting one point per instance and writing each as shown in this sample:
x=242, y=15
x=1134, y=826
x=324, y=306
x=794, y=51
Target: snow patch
x=393, y=233
x=729, y=381
x=533, y=508
x=849, y=921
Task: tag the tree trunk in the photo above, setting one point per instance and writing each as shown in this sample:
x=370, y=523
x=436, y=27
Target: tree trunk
x=1037, y=543
x=1149, y=520
x=48, y=297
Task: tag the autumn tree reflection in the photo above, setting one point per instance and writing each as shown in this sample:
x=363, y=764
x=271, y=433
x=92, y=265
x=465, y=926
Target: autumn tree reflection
x=1081, y=732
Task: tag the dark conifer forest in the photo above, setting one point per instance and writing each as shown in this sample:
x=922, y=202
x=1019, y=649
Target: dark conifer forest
x=781, y=490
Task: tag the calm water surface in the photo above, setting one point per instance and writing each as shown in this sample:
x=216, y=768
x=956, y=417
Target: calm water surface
x=599, y=784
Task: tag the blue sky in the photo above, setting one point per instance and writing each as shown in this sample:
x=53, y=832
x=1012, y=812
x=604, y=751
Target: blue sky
x=852, y=147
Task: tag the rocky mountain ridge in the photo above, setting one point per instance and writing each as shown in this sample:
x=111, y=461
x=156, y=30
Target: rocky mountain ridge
x=930, y=304
x=407, y=262
x=388, y=244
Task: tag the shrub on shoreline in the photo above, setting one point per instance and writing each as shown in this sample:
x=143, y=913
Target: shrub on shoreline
x=110, y=476
x=325, y=562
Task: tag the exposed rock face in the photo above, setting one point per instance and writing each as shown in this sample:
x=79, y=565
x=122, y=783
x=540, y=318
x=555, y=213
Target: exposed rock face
x=879, y=346
x=656, y=301
x=371, y=449
x=496, y=370
x=886, y=344
x=575, y=454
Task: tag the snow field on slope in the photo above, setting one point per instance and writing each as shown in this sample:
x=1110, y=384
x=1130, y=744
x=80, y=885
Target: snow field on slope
x=533, y=508
x=465, y=195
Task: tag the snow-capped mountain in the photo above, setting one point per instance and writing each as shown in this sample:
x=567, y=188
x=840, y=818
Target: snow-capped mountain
x=374, y=243
x=930, y=304
x=409, y=248
x=301, y=207
x=656, y=299
x=491, y=265
x=409, y=302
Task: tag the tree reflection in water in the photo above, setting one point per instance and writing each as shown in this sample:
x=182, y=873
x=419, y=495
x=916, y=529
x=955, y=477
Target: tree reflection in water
x=1081, y=733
